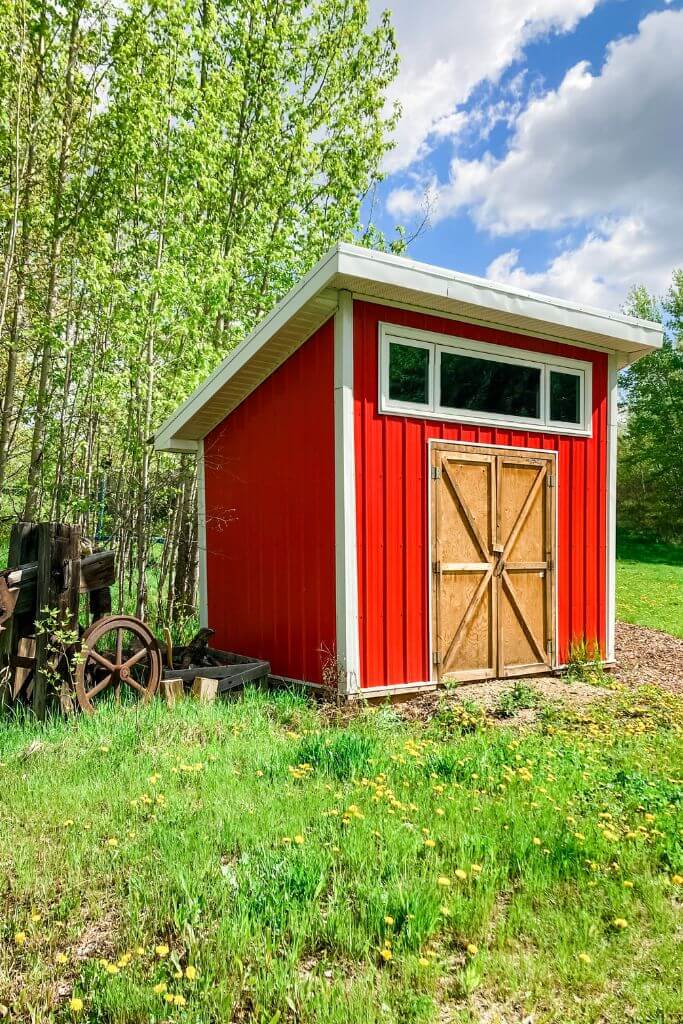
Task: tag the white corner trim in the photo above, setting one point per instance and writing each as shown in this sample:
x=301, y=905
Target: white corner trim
x=611, y=573
x=201, y=538
x=346, y=563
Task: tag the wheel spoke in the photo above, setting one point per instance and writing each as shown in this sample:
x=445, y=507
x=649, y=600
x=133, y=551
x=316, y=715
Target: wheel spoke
x=101, y=685
x=135, y=658
x=136, y=686
x=119, y=645
x=96, y=656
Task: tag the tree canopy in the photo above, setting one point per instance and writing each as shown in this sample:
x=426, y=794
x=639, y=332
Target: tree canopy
x=650, y=474
x=169, y=169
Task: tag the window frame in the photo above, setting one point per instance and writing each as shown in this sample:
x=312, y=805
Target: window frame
x=440, y=343
x=409, y=342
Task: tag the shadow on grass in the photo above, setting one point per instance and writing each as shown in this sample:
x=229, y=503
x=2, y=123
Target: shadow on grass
x=643, y=549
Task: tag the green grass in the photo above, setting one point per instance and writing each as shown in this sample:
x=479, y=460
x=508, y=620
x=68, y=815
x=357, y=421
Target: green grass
x=650, y=584
x=279, y=856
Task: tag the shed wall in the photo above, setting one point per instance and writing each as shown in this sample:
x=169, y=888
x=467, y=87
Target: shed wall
x=392, y=510
x=269, y=483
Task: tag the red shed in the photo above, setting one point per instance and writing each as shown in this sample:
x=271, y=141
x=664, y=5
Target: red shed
x=407, y=475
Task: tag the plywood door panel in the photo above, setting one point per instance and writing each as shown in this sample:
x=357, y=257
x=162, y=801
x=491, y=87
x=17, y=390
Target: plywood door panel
x=492, y=572
x=463, y=590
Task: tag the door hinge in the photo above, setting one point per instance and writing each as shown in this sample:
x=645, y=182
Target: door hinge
x=436, y=658
x=436, y=568
x=551, y=480
x=551, y=565
x=436, y=473
x=549, y=648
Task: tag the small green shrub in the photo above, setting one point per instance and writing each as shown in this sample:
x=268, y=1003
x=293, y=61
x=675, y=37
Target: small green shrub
x=585, y=663
x=518, y=697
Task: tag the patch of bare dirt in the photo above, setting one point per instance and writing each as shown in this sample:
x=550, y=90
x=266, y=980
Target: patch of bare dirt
x=647, y=656
x=487, y=695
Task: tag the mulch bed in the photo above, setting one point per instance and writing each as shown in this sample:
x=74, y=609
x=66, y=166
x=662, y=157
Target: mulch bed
x=647, y=656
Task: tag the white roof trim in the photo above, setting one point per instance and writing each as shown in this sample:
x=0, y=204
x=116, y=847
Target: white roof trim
x=387, y=277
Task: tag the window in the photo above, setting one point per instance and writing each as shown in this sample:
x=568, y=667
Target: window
x=486, y=385
x=434, y=375
x=565, y=397
x=408, y=373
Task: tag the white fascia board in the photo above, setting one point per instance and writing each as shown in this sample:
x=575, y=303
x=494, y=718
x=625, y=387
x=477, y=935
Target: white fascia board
x=630, y=333
x=371, y=274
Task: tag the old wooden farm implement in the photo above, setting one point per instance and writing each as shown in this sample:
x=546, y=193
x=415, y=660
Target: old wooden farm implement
x=47, y=656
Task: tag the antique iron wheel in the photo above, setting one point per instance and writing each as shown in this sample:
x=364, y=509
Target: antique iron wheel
x=118, y=652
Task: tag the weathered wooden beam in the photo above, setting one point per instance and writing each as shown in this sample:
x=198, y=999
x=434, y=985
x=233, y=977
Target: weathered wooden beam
x=97, y=571
x=58, y=589
x=250, y=670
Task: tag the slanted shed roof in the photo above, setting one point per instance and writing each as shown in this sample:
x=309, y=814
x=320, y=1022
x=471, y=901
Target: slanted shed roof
x=393, y=279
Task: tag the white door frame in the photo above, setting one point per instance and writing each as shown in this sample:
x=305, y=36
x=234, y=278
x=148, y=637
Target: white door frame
x=434, y=441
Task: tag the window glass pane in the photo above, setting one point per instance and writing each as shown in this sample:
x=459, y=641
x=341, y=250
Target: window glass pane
x=565, y=395
x=484, y=385
x=408, y=373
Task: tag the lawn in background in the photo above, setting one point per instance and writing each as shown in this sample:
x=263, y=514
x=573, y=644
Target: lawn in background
x=253, y=862
x=650, y=584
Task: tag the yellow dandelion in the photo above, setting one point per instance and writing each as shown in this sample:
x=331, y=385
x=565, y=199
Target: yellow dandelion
x=191, y=972
x=386, y=953
x=75, y=1004
x=35, y=917
x=536, y=841
x=445, y=911
x=111, y=969
x=113, y=841
x=440, y=811
x=162, y=950
x=584, y=958
x=627, y=884
x=298, y=840
x=168, y=998
x=475, y=868
x=460, y=874
x=160, y=988
x=388, y=920
x=179, y=1000
x=444, y=881
x=19, y=938
x=620, y=923
x=472, y=948
x=677, y=879
x=61, y=958
x=430, y=843
x=423, y=961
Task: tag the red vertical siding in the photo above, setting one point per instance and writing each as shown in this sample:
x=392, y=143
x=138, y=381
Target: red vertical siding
x=391, y=498
x=269, y=481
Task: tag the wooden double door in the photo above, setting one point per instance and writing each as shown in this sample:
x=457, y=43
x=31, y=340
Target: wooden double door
x=493, y=562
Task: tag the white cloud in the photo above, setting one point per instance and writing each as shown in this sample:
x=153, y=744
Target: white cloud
x=448, y=46
x=604, y=150
x=603, y=267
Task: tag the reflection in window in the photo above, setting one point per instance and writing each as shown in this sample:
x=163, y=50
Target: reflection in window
x=408, y=373
x=565, y=397
x=485, y=385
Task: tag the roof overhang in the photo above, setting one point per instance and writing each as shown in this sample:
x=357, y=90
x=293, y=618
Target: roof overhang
x=392, y=279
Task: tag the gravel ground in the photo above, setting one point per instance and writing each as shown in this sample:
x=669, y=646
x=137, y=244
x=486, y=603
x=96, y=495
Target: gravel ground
x=647, y=656
x=642, y=655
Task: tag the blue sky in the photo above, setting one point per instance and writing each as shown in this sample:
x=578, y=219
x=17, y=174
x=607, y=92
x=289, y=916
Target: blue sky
x=543, y=139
